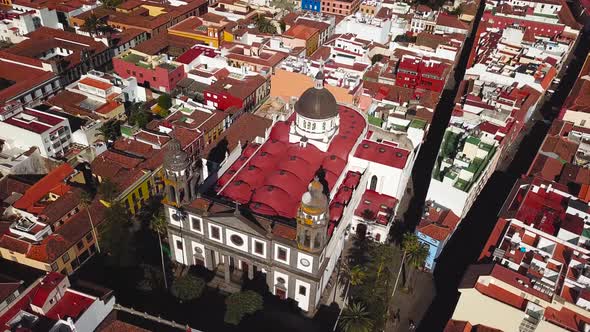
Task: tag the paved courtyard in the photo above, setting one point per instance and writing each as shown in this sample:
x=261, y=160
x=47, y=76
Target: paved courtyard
x=411, y=306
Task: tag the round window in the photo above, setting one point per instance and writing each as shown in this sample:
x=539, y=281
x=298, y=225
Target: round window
x=198, y=250
x=237, y=240
x=304, y=262
x=280, y=280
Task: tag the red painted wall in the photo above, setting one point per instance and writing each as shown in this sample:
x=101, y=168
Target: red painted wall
x=417, y=79
x=223, y=100
x=543, y=29
x=157, y=77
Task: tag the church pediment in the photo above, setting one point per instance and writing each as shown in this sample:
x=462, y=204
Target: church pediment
x=238, y=222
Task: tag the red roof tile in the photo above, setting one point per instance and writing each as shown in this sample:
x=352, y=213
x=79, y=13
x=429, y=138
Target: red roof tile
x=52, y=182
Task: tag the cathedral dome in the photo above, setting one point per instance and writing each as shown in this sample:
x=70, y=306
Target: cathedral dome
x=317, y=104
x=175, y=159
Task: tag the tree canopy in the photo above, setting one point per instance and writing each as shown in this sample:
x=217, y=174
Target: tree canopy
x=356, y=318
x=158, y=222
x=187, y=287
x=116, y=239
x=264, y=25
x=165, y=101
x=110, y=130
x=138, y=116
x=376, y=58
x=240, y=304
x=379, y=269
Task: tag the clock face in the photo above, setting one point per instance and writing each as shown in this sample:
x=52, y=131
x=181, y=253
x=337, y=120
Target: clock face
x=304, y=262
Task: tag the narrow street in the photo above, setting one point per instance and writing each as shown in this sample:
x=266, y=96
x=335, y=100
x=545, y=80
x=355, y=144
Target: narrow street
x=425, y=162
x=467, y=242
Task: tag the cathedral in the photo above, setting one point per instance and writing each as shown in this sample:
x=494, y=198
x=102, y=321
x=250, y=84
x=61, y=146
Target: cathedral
x=286, y=205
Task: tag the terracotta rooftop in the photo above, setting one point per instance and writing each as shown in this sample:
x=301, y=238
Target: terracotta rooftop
x=165, y=43
x=53, y=182
x=244, y=130
x=301, y=31
x=21, y=74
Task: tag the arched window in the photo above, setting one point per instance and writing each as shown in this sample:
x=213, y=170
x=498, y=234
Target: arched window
x=308, y=125
x=373, y=184
x=313, y=126
x=317, y=240
x=324, y=126
x=171, y=194
x=307, y=239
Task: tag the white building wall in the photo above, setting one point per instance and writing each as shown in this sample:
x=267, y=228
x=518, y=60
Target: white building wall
x=94, y=315
x=284, y=276
x=228, y=235
x=447, y=196
x=479, y=309
x=179, y=254
x=363, y=30
x=302, y=299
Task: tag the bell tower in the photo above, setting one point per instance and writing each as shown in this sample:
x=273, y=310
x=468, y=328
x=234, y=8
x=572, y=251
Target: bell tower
x=179, y=178
x=312, y=219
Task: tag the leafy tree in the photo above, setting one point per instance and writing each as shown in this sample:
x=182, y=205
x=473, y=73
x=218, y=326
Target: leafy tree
x=111, y=4
x=352, y=276
x=116, y=238
x=139, y=117
x=108, y=190
x=368, y=214
x=188, y=287
x=264, y=25
x=375, y=290
x=356, y=318
x=240, y=304
x=152, y=278
x=91, y=24
x=164, y=101
x=376, y=58
x=110, y=130
x=163, y=113
x=158, y=225
x=415, y=254
x=404, y=39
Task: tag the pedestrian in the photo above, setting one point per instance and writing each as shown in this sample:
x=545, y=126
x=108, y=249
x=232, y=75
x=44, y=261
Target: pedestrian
x=412, y=325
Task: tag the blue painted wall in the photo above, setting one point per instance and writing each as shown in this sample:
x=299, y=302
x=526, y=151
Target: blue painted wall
x=434, y=249
x=311, y=5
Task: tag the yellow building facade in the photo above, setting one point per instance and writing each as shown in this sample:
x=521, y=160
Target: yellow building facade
x=146, y=187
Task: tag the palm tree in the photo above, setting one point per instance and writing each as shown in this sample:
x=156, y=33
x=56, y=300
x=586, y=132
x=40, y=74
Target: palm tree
x=85, y=201
x=356, y=318
x=91, y=24
x=158, y=225
x=352, y=276
x=415, y=254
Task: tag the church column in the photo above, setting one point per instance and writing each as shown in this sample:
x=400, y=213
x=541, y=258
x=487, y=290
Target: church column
x=270, y=280
x=209, y=259
x=250, y=270
x=187, y=192
x=226, y=268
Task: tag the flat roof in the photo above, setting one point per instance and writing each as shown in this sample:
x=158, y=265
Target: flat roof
x=34, y=121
